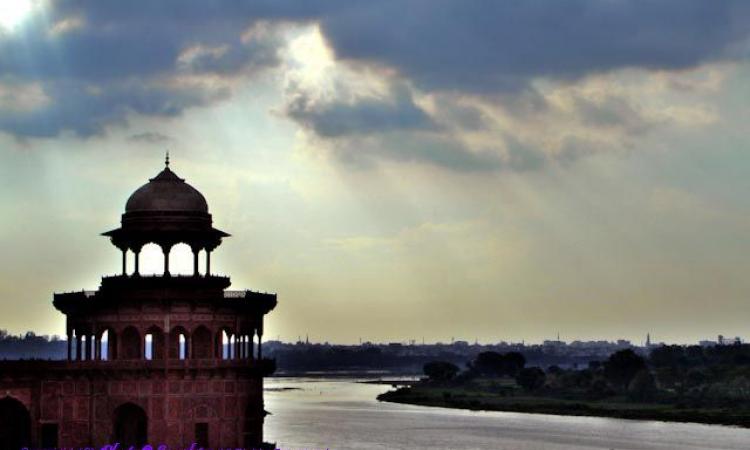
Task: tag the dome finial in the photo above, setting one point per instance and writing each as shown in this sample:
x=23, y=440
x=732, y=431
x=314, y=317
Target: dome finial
x=166, y=159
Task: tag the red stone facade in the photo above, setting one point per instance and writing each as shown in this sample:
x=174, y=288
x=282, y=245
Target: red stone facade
x=151, y=359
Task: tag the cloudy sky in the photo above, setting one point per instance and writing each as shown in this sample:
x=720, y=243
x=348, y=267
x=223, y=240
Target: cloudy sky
x=395, y=169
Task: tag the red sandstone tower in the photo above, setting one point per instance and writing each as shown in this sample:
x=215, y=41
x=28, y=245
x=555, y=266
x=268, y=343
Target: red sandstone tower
x=158, y=359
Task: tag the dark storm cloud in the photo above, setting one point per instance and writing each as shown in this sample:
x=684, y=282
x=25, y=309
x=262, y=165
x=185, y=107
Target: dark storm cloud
x=488, y=47
x=86, y=111
x=125, y=57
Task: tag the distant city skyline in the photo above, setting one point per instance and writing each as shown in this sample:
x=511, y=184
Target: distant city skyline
x=495, y=171
x=715, y=340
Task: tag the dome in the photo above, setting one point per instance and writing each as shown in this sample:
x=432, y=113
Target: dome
x=166, y=192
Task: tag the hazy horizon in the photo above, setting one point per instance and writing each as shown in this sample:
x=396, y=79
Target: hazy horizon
x=502, y=171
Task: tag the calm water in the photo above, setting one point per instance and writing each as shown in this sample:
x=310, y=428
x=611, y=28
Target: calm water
x=345, y=415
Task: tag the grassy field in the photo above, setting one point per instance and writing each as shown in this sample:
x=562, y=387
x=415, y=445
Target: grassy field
x=507, y=398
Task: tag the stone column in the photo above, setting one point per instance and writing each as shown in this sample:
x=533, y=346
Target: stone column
x=208, y=262
x=195, y=261
x=136, y=269
x=70, y=344
x=166, y=260
x=78, y=347
x=124, y=262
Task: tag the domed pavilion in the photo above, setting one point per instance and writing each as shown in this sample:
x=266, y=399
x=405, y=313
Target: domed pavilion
x=158, y=359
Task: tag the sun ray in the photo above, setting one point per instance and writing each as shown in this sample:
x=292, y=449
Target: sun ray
x=14, y=12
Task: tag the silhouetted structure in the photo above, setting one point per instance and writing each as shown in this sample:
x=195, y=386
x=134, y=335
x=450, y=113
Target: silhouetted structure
x=157, y=359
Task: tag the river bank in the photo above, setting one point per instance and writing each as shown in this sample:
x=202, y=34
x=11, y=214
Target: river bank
x=338, y=413
x=461, y=398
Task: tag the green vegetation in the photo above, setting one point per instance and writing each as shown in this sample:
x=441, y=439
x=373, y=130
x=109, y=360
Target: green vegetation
x=675, y=383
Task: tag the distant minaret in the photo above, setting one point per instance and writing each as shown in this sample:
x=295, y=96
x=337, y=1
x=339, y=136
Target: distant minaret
x=648, y=339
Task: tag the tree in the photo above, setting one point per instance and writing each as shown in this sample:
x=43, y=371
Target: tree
x=440, y=370
x=696, y=377
x=668, y=377
x=496, y=364
x=514, y=362
x=668, y=356
x=489, y=364
x=643, y=387
x=531, y=378
x=622, y=366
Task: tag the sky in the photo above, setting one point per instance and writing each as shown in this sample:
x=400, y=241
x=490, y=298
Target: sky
x=394, y=170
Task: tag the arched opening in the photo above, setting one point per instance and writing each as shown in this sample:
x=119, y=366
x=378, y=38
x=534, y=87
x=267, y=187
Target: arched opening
x=181, y=260
x=223, y=343
x=202, y=262
x=154, y=344
x=15, y=425
x=178, y=343
x=108, y=345
x=130, y=426
x=226, y=344
x=104, y=345
x=131, y=343
x=151, y=260
x=201, y=343
x=130, y=262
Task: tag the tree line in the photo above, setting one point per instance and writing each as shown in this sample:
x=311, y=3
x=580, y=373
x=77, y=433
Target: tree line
x=688, y=376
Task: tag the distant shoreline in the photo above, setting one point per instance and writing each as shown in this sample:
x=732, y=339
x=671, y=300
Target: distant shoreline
x=458, y=399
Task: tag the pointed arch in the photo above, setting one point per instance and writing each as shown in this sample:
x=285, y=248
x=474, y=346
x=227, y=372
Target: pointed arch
x=130, y=425
x=154, y=343
x=15, y=424
x=178, y=343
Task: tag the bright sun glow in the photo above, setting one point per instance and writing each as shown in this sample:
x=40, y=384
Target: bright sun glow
x=13, y=12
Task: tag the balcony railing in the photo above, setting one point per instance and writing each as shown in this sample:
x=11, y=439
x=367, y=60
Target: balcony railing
x=266, y=365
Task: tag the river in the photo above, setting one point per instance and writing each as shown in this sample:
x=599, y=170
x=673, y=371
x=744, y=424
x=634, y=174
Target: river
x=342, y=414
